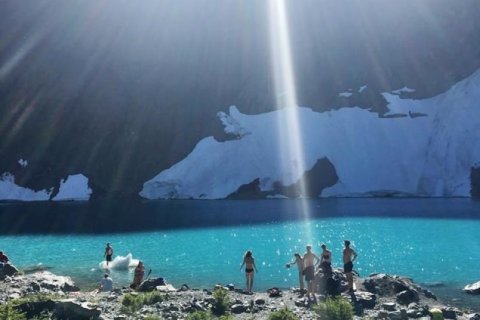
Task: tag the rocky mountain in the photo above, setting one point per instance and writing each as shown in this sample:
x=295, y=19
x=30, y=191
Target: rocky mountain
x=121, y=92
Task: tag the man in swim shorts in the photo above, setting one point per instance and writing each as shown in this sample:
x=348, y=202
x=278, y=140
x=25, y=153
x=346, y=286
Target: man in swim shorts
x=108, y=253
x=326, y=261
x=349, y=255
x=309, y=261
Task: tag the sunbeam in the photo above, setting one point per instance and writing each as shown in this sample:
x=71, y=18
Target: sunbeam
x=289, y=131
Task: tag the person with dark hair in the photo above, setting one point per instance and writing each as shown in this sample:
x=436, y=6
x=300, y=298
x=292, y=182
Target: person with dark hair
x=326, y=261
x=349, y=255
x=299, y=262
x=106, y=285
x=108, y=253
x=138, y=275
x=249, y=263
x=310, y=260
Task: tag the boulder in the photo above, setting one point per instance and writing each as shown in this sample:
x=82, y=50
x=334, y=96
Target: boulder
x=365, y=299
x=238, y=308
x=74, y=310
x=8, y=270
x=33, y=309
x=151, y=284
x=472, y=288
x=389, y=306
x=407, y=296
x=52, y=282
x=450, y=312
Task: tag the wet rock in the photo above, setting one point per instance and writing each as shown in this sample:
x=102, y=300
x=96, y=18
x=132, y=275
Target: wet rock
x=472, y=288
x=450, y=312
x=231, y=287
x=260, y=301
x=429, y=294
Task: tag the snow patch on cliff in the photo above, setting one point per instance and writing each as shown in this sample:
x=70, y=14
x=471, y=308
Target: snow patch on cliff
x=74, y=187
x=425, y=156
x=10, y=191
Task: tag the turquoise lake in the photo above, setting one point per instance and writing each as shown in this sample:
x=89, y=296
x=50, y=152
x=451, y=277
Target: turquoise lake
x=434, y=241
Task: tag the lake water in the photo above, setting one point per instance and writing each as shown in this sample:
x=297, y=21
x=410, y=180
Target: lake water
x=434, y=241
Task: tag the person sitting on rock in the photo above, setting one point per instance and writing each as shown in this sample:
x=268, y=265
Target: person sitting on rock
x=3, y=259
x=106, y=285
x=138, y=277
x=299, y=262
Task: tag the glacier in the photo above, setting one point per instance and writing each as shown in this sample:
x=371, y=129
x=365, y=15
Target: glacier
x=429, y=155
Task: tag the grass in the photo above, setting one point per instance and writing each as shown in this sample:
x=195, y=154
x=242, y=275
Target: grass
x=8, y=312
x=205, y=315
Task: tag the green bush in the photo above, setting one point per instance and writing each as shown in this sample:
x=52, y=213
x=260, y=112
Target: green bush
x=7, y=312
x=222, y=301
x=334, y=309
x=152, y=317
x=283, y=314
x=134, y=302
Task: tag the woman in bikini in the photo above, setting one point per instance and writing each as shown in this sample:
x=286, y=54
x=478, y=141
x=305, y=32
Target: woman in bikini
x=249, y=263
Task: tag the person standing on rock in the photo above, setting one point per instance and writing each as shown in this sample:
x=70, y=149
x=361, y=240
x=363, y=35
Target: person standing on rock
x=299, y=262
x=349, y=255
x=310, y=260
x=106, y=285
x=138, y=276
x=326, y=261
x=249, y=263
x=108, y=253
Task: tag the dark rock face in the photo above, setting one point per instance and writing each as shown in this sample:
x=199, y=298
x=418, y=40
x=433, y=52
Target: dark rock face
x=321, y=176
x=120, y=104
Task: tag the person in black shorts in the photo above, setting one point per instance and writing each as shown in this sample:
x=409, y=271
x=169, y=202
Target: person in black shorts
x=349, y=255
x=108, y=253
x=249, y=263
x=310, y=260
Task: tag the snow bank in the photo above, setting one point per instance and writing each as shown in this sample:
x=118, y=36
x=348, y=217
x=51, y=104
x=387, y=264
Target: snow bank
x=10, y=191
x=74, y=187
x=429, y=156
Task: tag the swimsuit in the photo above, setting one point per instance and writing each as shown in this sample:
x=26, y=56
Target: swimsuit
x=348, y=267
x=247, y=270
x=309, y=273
x=109, y=257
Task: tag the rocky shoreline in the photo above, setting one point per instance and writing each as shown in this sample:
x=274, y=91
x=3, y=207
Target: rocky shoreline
x=379, y=296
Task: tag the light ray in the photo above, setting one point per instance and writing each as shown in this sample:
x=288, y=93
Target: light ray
x=289, y=130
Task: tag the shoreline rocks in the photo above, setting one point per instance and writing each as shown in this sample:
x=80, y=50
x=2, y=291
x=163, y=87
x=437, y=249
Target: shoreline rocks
x=472, y=288
x=379, y=296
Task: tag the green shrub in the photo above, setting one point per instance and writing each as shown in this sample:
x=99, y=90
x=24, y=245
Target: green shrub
x=283, y=314
x=134, y=302
x=152, y=317
x=334, y=309
x=8, y=312
x=222, y=301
